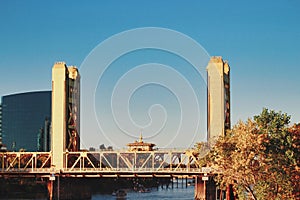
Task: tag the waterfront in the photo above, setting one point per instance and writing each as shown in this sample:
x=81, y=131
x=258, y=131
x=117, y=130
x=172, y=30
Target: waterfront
x=175, y=193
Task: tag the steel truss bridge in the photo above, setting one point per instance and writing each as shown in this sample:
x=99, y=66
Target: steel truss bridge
x=123, y=163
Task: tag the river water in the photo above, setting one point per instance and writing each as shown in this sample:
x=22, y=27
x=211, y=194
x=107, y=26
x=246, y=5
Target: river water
x=180, y=193
x=155, y=194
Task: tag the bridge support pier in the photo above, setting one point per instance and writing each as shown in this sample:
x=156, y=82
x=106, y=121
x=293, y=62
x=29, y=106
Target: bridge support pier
x=68, y=188
x=186, y=182
x=205, y=188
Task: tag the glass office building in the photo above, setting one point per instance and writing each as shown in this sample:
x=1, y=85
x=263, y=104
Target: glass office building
x=26, y=121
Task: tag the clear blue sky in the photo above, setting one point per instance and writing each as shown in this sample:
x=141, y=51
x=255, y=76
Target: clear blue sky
x=260, y=39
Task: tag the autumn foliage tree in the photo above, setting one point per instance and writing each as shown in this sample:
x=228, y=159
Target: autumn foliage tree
x=294, y=170
x=259, y=157
x=237, y=158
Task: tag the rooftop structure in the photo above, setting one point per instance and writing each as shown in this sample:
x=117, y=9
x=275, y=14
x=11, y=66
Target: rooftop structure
x=140, y=145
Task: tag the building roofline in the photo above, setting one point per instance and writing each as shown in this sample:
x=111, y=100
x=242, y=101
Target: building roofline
x=31, y=92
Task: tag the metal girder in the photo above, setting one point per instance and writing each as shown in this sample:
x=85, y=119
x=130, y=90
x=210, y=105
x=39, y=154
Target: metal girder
x=104, y=163
x=163, y=161
x=25, y=161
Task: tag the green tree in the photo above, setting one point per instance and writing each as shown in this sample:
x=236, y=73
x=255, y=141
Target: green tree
x=280, y=155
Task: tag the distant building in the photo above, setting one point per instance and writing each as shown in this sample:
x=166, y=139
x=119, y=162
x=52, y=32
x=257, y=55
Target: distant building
x=218, y=102
x=65, y=111
x=0, y=124
x=2, y=146
x=140, y=145
x=22, y=117
x=44, y=139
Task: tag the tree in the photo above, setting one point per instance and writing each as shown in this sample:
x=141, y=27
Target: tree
x=295, y=156
x=280, y=155
x=92, y=149
x=260, y=158
x=102, y=147
x=237, y=158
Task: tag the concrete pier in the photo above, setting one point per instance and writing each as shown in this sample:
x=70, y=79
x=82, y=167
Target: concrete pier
x=205, y=188
x=68, y=188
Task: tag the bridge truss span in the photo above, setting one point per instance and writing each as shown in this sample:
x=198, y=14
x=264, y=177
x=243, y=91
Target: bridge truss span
x=103, y=163
x=135, y=163
x=25, y=163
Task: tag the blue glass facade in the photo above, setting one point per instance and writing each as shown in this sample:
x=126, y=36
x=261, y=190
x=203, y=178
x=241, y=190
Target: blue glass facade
x=26, y=121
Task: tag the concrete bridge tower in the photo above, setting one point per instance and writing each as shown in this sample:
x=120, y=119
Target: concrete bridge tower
x=65, y=112
x=218, y=102
x=218, y=118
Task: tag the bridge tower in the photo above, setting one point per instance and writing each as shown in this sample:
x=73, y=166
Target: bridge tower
x=218, y=102
x=218, y=117
x=65, y=112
